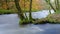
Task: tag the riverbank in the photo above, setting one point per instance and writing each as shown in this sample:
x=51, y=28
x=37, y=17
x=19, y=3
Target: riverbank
x=2, y=11
x=54, y=18
x=6, y=11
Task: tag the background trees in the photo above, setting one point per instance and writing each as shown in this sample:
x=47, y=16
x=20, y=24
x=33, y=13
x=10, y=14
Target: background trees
x=36, y=4
x=57, y=5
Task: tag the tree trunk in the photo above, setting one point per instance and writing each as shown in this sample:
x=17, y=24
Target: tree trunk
x=20, y=13
x=48, y=1
x=7, y=4
x=30, y=16
x=49, y=9
x=24, y=9
x=58, y=4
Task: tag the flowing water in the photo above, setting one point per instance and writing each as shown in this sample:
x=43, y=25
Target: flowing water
x=9, y=24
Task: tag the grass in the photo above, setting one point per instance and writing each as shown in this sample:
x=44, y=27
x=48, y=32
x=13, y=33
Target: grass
x=2, y=11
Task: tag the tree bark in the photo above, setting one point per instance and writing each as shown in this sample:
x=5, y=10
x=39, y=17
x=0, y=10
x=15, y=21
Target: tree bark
x=30, y=16
x=58, y=5
x=48, y=1
x=7, y=4
x=20, y=13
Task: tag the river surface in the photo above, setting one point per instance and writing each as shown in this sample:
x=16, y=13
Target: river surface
x=40, y=14
x=9, y=24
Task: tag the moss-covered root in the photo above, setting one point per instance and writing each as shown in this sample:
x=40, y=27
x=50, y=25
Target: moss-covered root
x=23, y=22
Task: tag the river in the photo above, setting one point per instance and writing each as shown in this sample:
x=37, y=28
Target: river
x=9, y=24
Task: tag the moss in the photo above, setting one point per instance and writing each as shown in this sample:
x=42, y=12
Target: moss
x=40, y=21
x=22, y=22
x=54, y=18
x=25, y=21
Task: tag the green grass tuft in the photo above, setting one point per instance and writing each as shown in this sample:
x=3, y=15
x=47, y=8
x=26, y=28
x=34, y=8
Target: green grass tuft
x=6, y=11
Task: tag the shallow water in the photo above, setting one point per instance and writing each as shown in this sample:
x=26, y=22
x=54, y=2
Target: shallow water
x=9, y=24
x=40, y=14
